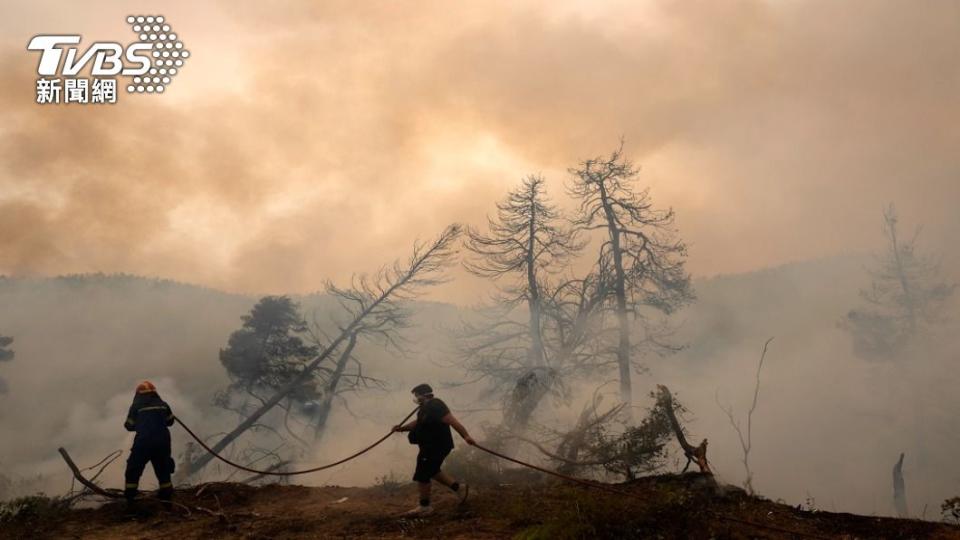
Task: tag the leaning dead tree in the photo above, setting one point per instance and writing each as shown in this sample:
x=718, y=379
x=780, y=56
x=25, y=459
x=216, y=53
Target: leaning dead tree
x=333, y=385
x=373, y=305
x=746, y=439
x=640, y=249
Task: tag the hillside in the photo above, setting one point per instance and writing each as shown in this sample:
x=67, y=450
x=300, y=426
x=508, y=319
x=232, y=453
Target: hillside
x=687, y=506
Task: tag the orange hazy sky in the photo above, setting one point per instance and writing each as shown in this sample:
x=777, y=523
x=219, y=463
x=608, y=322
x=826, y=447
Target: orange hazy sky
x=308, y=140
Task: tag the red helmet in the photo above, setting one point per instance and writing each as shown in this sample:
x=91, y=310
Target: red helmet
x=146, y=387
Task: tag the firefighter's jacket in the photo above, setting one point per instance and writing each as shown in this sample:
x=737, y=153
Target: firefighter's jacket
x=150, y=417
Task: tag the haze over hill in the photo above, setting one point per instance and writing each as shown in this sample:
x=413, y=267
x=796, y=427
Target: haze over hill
x=828, y=428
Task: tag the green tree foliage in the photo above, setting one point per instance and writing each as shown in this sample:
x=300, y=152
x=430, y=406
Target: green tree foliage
x=269, y=350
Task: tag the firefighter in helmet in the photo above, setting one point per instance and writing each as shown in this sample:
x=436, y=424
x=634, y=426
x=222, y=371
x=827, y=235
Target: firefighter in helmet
x=150, y=418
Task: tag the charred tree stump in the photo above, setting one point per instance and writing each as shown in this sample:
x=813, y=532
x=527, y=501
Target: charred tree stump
x=694, y=454
x=899, y=489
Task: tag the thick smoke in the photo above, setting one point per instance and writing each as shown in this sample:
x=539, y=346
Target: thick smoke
x=302, y=137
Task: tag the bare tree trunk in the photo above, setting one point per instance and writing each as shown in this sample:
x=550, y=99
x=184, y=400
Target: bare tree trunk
x=620, y=289
x=533, y=300
x=327, y=404
x=899, y=490
x=527, y=396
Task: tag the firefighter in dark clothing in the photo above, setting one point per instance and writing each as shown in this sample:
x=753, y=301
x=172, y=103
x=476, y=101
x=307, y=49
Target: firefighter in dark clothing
x=431, y=432
x=150, y=417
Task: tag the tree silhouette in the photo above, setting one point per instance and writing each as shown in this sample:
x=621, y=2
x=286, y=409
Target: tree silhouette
x=905, y=297
x=268, y=350
x=641, y=253
x=527, y=241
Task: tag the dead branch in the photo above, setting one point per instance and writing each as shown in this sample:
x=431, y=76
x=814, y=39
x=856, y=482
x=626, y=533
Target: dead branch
x=573, y=442
x=72, y=495
x=594, y=443
x=104, y=463
x=746, y=442
x=562, y=459
x=271, y=468
x=78, y=475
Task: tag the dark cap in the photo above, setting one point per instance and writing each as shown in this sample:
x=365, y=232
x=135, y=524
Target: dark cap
x=422, y=390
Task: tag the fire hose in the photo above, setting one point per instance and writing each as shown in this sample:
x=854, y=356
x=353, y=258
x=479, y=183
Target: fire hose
x=377, y=443
x=289, y=473
x=595, y=485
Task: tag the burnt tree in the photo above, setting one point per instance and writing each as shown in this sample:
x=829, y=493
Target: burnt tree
x=694, y=454
x=524, y=243
x=640, y=251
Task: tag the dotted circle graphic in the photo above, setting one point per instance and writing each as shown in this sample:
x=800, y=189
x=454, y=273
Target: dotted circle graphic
x=166, y=51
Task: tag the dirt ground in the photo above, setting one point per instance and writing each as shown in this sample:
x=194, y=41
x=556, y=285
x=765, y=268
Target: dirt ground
x=688, y=506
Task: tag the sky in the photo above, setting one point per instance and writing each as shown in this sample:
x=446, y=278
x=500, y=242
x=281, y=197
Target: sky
x=305, y=141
